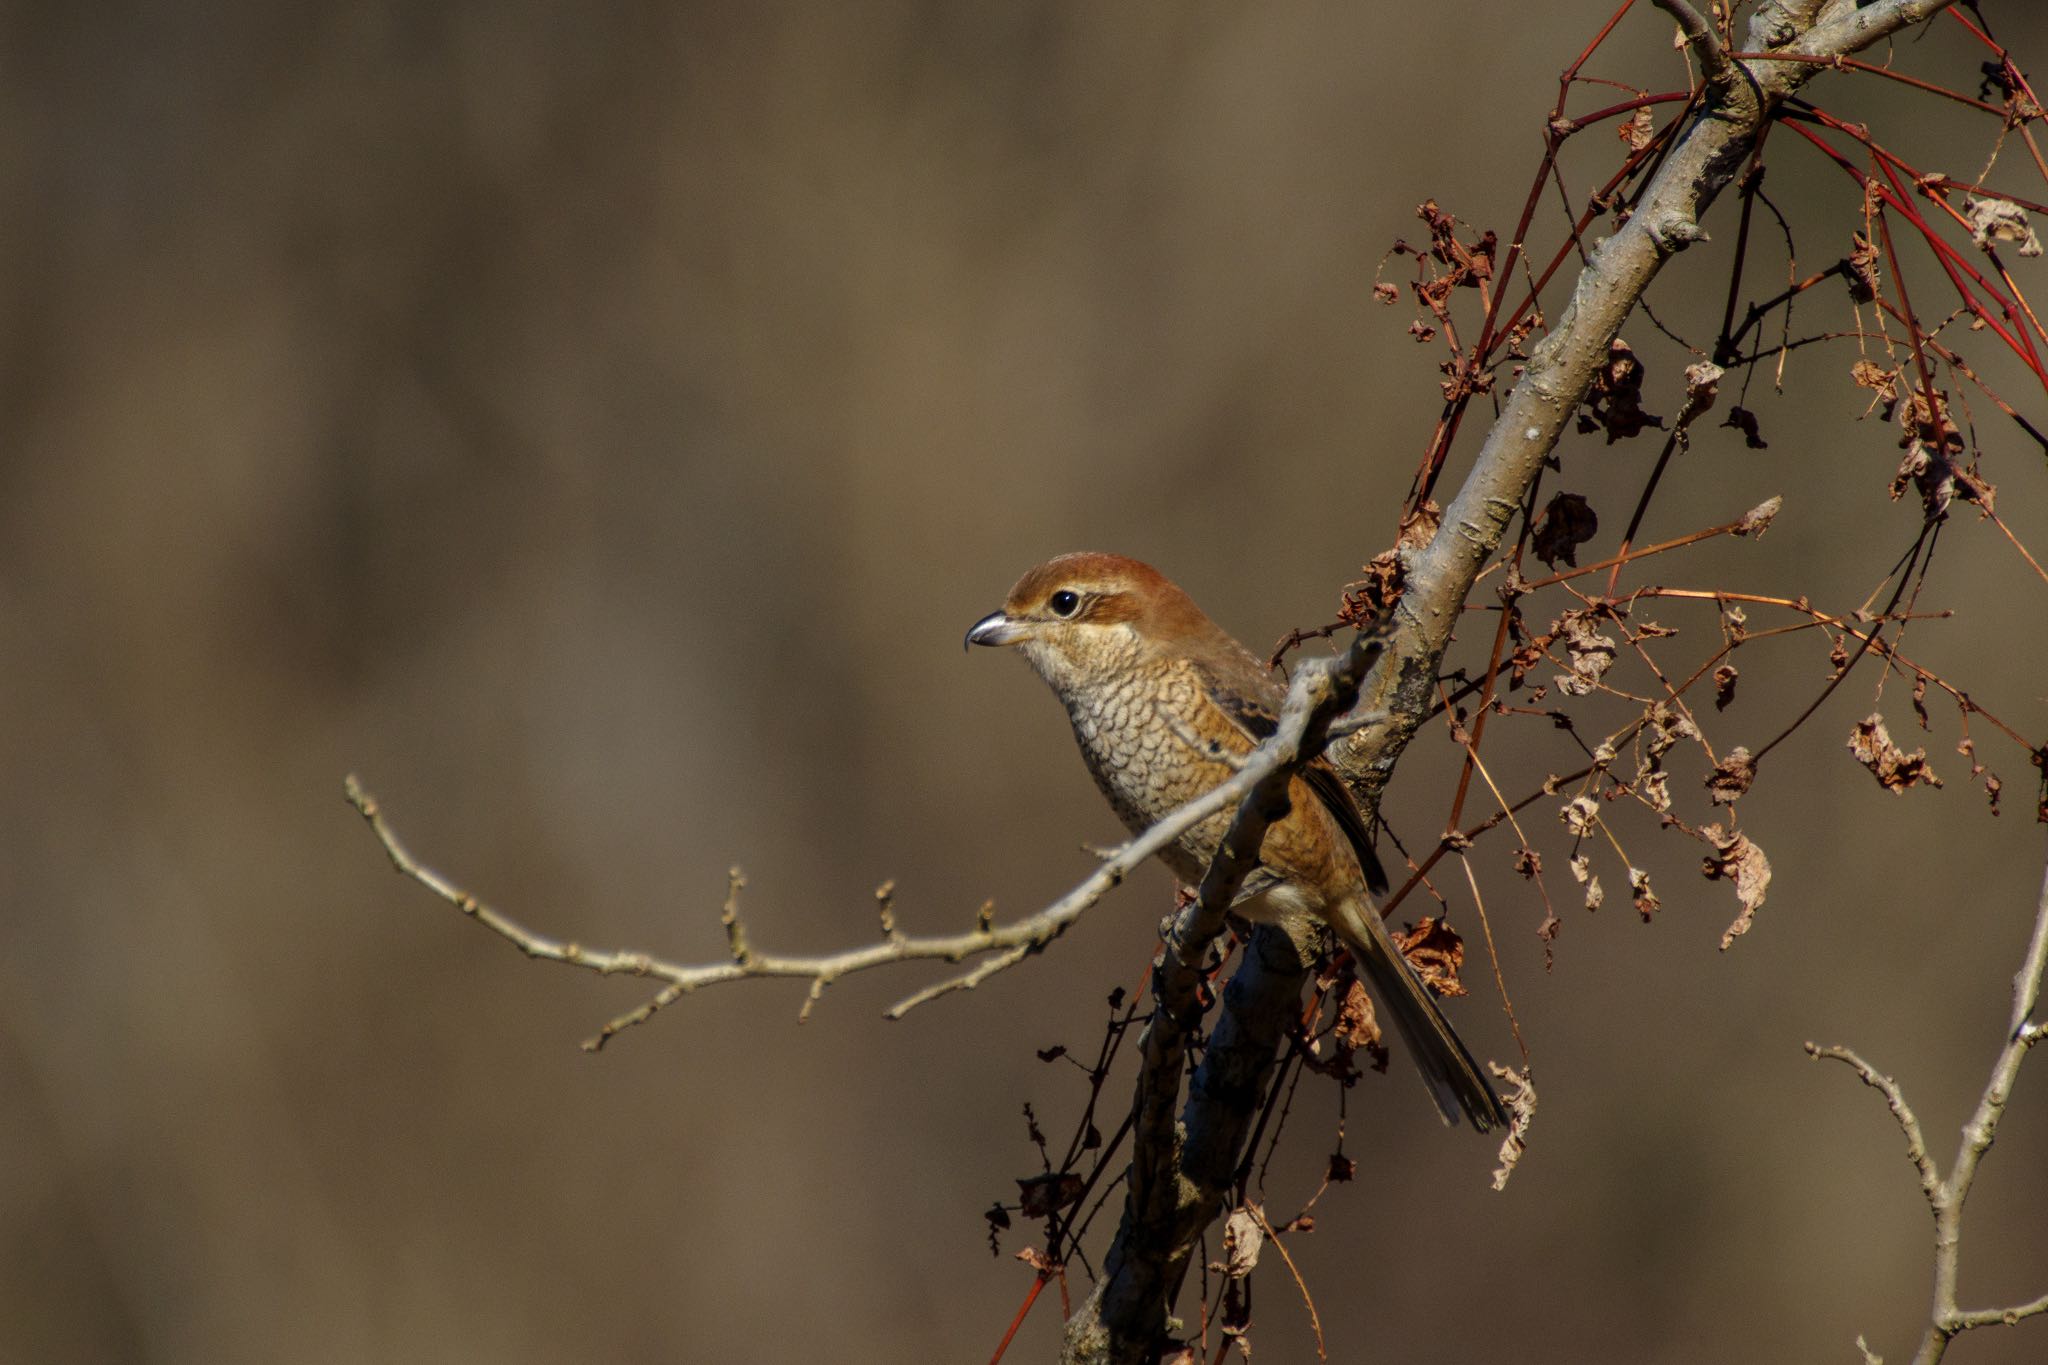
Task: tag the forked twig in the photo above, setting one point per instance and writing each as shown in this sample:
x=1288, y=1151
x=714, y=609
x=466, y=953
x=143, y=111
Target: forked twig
x=1945, y=1197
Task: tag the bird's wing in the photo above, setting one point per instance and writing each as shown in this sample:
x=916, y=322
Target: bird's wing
x=1250, y=705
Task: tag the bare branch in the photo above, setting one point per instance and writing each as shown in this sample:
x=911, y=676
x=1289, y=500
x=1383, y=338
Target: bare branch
x=1321, y=691
x=1700, y=36
x=1916, y=1143
x=1945, y=1198
x=1775, y=23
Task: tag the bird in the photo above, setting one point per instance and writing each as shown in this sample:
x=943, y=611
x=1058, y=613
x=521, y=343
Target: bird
x=1162, y=700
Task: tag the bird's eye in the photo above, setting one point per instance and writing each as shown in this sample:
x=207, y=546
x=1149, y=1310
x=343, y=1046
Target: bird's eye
x=1064, y=602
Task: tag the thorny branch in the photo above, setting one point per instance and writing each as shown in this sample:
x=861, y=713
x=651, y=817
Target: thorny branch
x=1946, y=1196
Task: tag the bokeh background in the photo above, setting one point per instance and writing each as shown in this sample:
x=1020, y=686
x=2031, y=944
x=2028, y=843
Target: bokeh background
x=597, y=425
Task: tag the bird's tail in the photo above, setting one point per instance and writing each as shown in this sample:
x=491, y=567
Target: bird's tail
x=1447, y=1067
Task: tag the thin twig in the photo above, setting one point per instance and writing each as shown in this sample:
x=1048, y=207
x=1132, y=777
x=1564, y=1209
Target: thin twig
x=1315, y=1320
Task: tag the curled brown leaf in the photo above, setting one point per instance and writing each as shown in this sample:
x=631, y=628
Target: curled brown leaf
x=1520, y=1100
x=1436, y=952
x=1740, y=861
x=1358, y=1028
x=1894, y=769
x=1724, y=685
x=1591, y=652
x=1731, y=778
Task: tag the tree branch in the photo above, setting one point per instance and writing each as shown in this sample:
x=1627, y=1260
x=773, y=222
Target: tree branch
x=1701, y=38
x=1320, y=692
x=1560, y=371
x=1945, y=1198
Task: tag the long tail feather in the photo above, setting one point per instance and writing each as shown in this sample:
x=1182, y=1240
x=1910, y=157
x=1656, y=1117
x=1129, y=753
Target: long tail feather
x=1447, y=1067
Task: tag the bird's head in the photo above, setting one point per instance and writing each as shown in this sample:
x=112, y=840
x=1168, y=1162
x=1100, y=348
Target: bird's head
x=1081, y=616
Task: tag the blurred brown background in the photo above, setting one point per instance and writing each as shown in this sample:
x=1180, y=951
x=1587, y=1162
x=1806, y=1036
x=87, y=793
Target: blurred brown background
x=596, y=426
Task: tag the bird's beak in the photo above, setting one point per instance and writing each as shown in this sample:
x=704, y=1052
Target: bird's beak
x=995, y=629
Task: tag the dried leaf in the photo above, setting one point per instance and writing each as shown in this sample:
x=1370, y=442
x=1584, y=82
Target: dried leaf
x=1882, y=383
x=1592, y=653
x=1724, y=685
x=1702, y=386
x=1566, y=523
x=1744, y=421
x=1342, y=1169
x=1934, y=446
x=2001, y=220
x=1385, y=580
x=1419, y=525
x=1044, y=1195
x=1580, y=815
x=1859, y=267
x=1894, y=769
x=1358, y=1027
x=1742, y=862
x=1582, y=868
x=1421, y=331
x=1730, y=780
x=1436, y=952
x=1757, y=519
x=1243, y=1240
x=1528, y=862
x=1667, y=726
x=1520, y=1100
x=1647, y=903
x=1617, y=394
x=1639, y=129
x=1386, y=293
x=1655, y=787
